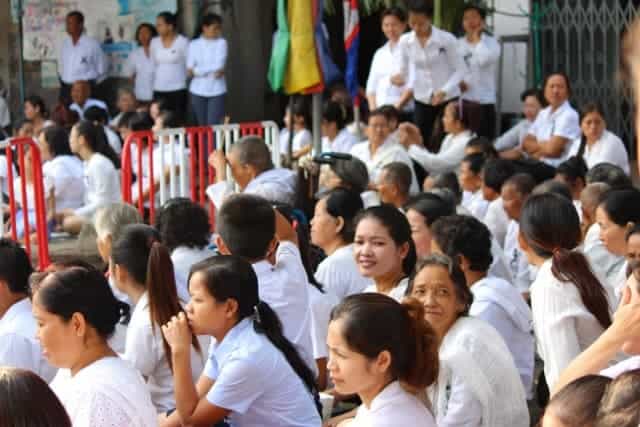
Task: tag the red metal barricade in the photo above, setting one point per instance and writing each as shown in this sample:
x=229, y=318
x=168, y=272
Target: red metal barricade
x=20, y=145
x=201, y=143
x=138, y=141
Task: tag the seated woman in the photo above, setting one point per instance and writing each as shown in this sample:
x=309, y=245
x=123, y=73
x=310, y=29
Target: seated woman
x=596, y=144
x=76, y=313
x=478, y=383
x=384, y=250
x=333, y=230
x=248, y=345
x=509, y=144
x=335, y=137
x=342, y=170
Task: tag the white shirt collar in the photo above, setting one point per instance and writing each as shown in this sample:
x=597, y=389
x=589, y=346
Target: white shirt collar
x=222, y=350
x=386, y=396
x=20, y=307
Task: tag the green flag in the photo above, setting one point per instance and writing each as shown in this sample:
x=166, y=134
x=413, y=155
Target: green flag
x=280, y=49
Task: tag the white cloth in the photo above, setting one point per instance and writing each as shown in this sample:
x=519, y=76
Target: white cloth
x=320, y=305
x=107, y=393
x=608, y=148
x=514, y=137
x=5, y=118
x=475, y=203
x=563, y=122
x=144, y=349
x=497, y=220
x=206, y=57
x=603, y=262
x=500, y=304
x=499, y=267
x=339, y=274
x=393, y=406
x=183, y=258
x=563, y=326
x=342, y=143
x=284, y=287
x=477, y=368
x=170, y=64
x=301, y=139
x=437, y=66
x=83, y=61
x=65, y=176
x=630, y=364
x=379, y=81
x=448, y=158
x=90, y=102
x=481, y=68
x=516, y=258
x=102, y=185
x=256, y=383
x=113, y=139
x=4, y=173
x=276, y=185
x=142, y=66
x=397, y=293
x=19, y=347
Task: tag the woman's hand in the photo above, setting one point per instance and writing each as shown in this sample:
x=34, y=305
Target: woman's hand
x=409, y=134
x=178, y=333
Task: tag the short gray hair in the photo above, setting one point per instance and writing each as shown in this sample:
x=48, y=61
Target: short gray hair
x=253, y=151
x=111, y=219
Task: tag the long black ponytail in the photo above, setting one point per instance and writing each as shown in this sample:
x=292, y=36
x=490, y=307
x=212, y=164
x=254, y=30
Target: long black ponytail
x=97, y=140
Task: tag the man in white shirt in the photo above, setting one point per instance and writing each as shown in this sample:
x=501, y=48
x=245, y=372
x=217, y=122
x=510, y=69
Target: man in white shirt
x=481, y=53
x=81, y=97
x=19, y=347
x=252, y=169
x=81, y=57
x=394, y=184
x=432, y=55
x=494, y=175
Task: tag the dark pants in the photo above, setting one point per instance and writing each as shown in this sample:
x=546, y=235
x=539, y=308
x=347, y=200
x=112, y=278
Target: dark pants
x=209, y=110
x=481, y=118
x=427, y=118
x=175, y=101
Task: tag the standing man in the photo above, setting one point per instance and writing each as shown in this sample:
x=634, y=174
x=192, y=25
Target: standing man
x=481, y=53
x=81, y=57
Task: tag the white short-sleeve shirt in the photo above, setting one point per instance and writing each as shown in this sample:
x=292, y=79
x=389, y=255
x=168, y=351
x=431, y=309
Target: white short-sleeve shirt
x=608, y=148
x=256, y=383
x=339, y=273
x=102, y=185
x=397, y=293
x=142, y=66
x=321, y=304
x=205, y=57
x=170, y=64
x=91, y=102
x=301, y=139
x=379, y=81
x=481, y=68
x=84, y=60
x=563, y=122
x=64, y=175
x=516, y=258
x=342, y=143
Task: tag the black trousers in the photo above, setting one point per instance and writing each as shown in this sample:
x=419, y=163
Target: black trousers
x=428, y=119
x=481, y=118
x=175, y=101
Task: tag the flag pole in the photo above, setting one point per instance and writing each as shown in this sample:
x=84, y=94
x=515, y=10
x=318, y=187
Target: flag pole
x=316, y=100
x=356, y=117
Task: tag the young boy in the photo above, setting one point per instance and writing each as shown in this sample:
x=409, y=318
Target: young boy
x=471, y=182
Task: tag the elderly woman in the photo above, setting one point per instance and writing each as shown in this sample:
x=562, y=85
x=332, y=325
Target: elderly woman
x=478, y=384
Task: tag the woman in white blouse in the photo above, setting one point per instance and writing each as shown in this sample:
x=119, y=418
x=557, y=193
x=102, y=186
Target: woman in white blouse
x=478, y=384
x=597, y=144
x=332, y=230
x=205, y=64
x=76, y=313
x=386, y=353
x=384, y=250
x=254, y=376
x=571, y=308
x=550, y=137
x=169, y=54
x=140, y=65
x=142, y=269
x=335, y=136
x=380, y=90
x=509, y=143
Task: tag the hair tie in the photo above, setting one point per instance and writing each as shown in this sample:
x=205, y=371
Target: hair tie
x=256, y=312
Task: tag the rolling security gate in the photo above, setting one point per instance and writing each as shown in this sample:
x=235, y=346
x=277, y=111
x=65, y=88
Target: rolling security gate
x=582, y=38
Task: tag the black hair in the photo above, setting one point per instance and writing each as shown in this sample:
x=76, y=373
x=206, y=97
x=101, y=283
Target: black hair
x=576, y=404
x=423, y=7
x=96, y=114
x=140, y=121
x=372, y=323
x=394, y=11
x=476, y=162
x=149, y=27
x=399, y=174
x=475, y=6
x=210, y=19
x=171, y=119
x=464, y=235
x=246, y=225
x=550, y=225
x=125, y=119
x=300, y=107
x=449, y=181
x=38, y=102
x=169, y=18
x=85, y=291
x=390, y=112
x=57, y=139
x=15, y=266
x=536, y=93
x=334, y=112
x=398, y=228
x=378, y=112
x=573, y=169
x=632, y=231
x=232, y=277
x=496, y=172
x=483, y=146
x=561, y=74
x=182, y=222
x=97, y=140
x=610, y=174
x=431, y=207
x=460, y=113
x=252, y=150
x=621, y=206
x=591, y=107
x=551, y=186
x=522, y=182
x=76, y=14
x=345, y=204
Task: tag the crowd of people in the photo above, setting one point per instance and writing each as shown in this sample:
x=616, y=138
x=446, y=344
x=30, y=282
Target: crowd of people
x=442, y=275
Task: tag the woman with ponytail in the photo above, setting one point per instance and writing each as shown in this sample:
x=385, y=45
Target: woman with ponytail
x=141, y=268
x=571, y=308
x=596, y=144
x=101, y=178
x=76, y=313
x=253, y=376
x=478, y=383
